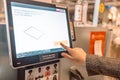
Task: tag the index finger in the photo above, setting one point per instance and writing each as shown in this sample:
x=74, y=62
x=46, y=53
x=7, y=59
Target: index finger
x=66, y=47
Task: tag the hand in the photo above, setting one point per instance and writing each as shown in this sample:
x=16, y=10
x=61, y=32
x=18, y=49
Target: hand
x=77, y=55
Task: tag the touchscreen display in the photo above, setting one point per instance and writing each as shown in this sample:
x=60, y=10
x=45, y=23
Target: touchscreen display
x=38, y=29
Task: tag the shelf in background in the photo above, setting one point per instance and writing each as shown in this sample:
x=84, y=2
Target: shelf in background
x=115, y=3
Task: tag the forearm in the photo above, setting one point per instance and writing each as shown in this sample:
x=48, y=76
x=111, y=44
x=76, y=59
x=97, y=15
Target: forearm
x=105, y=66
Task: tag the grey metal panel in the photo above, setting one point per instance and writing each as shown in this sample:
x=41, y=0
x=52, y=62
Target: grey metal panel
x=82, y=40
x=6, y=71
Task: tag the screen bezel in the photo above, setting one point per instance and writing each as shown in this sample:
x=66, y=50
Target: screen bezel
x=26, y=61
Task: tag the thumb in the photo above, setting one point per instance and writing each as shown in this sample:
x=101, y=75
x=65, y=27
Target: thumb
x=65, y=55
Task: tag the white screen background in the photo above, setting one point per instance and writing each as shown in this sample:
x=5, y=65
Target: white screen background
x=38, y=30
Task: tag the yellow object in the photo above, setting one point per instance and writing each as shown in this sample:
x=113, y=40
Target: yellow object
x=102, y=7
